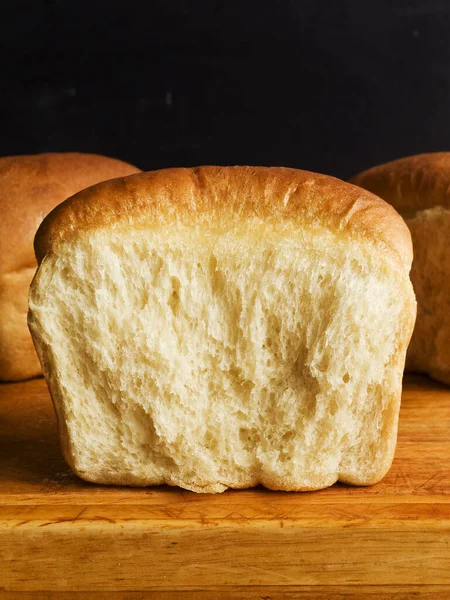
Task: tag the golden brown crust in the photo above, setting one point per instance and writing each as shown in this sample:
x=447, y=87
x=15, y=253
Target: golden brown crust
x=30, y=186
x=419, y=188
x=210, y=195
x=412, y=183
x=18, y=359
x=429, y=351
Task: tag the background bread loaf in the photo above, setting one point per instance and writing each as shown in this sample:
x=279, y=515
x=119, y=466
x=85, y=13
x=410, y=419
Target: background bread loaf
x=419, y=188
x=223, y=327
x=30, y=186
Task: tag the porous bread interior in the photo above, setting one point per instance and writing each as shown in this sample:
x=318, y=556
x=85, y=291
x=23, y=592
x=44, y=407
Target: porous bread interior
x=429, y=350
x=223, y=359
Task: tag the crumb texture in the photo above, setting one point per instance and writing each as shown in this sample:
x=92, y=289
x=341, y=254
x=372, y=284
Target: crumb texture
x=218, y=359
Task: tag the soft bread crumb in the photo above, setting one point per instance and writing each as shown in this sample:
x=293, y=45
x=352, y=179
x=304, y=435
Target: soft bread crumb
x=211, y=360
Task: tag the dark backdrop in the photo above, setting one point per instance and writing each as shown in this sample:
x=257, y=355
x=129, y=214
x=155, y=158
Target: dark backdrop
x=331, y=86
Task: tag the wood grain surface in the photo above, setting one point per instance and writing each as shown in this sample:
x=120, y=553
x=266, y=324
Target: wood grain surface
x=63, y=538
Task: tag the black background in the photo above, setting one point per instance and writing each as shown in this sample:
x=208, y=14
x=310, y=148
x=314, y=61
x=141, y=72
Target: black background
x=331, y=86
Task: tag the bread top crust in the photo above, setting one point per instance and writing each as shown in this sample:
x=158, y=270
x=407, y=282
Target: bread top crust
x=412, y=183
x=32, y=185
x=217, y=197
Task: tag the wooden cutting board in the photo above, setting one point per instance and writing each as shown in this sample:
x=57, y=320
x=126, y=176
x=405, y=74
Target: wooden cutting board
x=59, y=534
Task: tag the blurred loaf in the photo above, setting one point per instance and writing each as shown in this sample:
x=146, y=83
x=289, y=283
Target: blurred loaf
x=419, y=188
x=31, y=186
x=224, y=326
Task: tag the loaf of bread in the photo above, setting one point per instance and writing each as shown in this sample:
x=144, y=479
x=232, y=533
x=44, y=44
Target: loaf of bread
x=419, y=188
x=31, y=186
x=223, y=327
